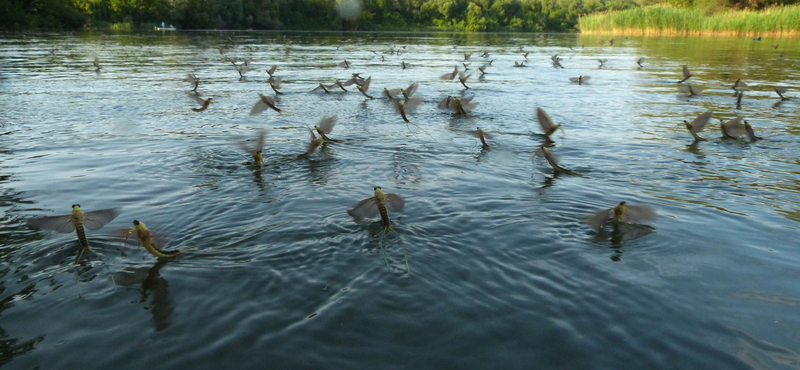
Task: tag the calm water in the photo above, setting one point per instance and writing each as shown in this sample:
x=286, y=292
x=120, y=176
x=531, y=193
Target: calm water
x=504, y=271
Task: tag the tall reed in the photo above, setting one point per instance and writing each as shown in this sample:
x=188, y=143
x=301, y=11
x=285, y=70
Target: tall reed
x=668, y=20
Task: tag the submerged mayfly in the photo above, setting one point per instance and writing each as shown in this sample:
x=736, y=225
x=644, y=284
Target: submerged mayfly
x=264, y=103
x=698, y=124
x=255, y=151
x=93, y=220
x=547, y=125
x=553, y=160
x=146, y=238
x=380, y=203
x=199, y=100
x=325, y=127
x=622, y=213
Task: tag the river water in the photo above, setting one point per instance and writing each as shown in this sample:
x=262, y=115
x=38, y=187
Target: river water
x=504, y=272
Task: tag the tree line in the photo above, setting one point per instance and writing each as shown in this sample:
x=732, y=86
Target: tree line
x=346, y=15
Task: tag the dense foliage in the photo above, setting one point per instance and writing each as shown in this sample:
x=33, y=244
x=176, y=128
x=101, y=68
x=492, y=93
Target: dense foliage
x=467, y=15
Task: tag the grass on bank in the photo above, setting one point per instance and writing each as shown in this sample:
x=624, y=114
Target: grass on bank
x=668, y=20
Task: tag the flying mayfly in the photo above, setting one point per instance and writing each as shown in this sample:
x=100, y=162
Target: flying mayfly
x=686, y=74
x=622, y=214
x=698, y=124
x=691, y=90
x=380, y=203
x=737, y=128
x=192, y=79
x=553, y=160
x=204, y=102
x=255, y=151
x=364, y=87
x=325, y=127
x=482, y=135
x=93, y=220
x=148, y=241
x=264, y=103
x=547, y=125
x=314, y=143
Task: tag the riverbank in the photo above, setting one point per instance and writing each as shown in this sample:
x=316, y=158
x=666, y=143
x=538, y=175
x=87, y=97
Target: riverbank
x=665, y=20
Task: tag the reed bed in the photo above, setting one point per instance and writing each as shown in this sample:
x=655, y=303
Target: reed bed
x=779, y=21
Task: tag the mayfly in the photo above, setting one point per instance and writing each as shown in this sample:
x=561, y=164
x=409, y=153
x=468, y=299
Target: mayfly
x=264, y=103
x=780, y=91
x=547, y=125
x=364, y=87
x=325, y=127
x=275, y=84
x=271, y=71
x=622, y=213
x=192, y=79
x=96, y=63
x=451, y=75
x=145, y=237
x=553, y=160
x=691, y=90
x=406, y=107
x=686, y=74
x=580, y=80
x=255, y=151
x=380, y=203
x=737, y=128
x=639, y=62
x=93, y=220
x=321, y=87
x=345, y=64
x=199, y=100
x=483, y=135
x=314, y=143
x=463, y=77
x=698, y=124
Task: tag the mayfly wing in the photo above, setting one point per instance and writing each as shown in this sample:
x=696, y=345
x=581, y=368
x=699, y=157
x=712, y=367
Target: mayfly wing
x=62, y=224
x=394, y=202
x=598, y=219
x=364, y=209
x=686, y=73
x=411, y=89
x=259, y=107
x=195, y=97
x=638, y=214
x=544, y=120
x=326, y=124
x=94, y=220
x=700, y=122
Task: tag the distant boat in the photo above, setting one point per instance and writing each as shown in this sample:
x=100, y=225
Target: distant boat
x=170, y=28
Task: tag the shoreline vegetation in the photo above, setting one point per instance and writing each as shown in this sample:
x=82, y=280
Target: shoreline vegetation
x=667, y=20
x=625, y=17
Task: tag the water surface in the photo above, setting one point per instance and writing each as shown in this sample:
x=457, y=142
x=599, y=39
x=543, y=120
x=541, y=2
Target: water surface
x=504, y=271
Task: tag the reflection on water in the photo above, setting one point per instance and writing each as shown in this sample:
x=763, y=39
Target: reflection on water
x=503, y=269
x=154, y=290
